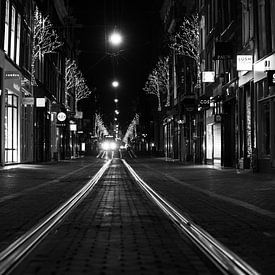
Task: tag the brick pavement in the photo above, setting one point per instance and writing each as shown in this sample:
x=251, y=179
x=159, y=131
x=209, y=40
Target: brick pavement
x=116, y=230
x=28, y=192
x=236, y=208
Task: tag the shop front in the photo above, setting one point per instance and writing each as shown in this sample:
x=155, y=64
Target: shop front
x=264, y=81
x=12, y=98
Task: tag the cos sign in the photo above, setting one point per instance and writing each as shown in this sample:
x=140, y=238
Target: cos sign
x=204, y=102
x=271, y=78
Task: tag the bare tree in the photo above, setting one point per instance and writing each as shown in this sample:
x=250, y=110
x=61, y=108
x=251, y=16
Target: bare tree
x=186, y=41
x=45, y=39
x=152, y=86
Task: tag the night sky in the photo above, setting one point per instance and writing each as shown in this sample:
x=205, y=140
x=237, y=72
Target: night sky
x=139, y=23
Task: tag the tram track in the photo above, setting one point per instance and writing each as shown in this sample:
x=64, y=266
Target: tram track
x=225, y=260
x=14, y=253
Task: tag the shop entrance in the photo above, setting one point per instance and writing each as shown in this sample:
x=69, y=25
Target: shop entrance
x=11, y=128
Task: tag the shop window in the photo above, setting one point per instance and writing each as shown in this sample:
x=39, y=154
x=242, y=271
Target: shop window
x=265, y=122
x=11, y=128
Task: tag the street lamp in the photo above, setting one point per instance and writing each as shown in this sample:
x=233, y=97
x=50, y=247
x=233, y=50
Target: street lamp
x=116, y=100
x=115, y=38
x=115, y=83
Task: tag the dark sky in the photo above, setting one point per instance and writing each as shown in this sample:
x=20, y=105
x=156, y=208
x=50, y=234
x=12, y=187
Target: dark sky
x=139, y=22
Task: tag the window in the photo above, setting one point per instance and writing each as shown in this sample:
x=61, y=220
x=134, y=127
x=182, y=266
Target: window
x=12, y=49
x=18, y=31
x=7, y=25
x=11, y=128
x=265, y=128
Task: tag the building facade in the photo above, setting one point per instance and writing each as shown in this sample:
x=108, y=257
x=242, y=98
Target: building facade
x=228, y=119
x=30, y=130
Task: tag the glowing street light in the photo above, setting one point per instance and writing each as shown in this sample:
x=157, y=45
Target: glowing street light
x=115, y=84
x=115, y=38
x=116, y=112
x=116, y=100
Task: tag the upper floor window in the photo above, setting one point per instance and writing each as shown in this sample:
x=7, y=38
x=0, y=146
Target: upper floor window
x=18, y=34
x=12, y=32
x=7, y=26
x=12, y=47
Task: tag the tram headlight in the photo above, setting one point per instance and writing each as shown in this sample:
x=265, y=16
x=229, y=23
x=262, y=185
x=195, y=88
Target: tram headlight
x=108, y=145
x=113, y=145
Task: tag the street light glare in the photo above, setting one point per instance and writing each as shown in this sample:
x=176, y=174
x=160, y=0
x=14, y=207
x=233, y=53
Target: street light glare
x=115, y=83
x=115, y=38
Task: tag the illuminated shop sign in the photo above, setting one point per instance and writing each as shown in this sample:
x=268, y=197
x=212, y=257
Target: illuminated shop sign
x=204, y=102
x=41, y=102
x=61, y=116
x=12, y=75
x=28, y=101
x=208, y=76
x=271, y=77
x=73, y=127
x=244, y=62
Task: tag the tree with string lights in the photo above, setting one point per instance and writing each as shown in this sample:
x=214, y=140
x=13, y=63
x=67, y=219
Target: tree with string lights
x=100, y=129
x=45, y=40
x=186, y=41
x=152, y=86
x=131, y=130
x=162, y=69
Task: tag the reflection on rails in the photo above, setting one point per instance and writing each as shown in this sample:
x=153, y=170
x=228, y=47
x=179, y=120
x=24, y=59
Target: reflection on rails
x=224, y=259
x=120, y=153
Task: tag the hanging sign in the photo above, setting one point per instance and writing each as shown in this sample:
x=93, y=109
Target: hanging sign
x=271, y=77
x=61, y=116
x=244, y=62
x=40, y=102
x=208, y=76
x=28, y=101
x=204, y=102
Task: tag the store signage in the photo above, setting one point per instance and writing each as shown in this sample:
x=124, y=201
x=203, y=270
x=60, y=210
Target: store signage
x=40, y=102
x=28, y=101
x=208, y=76
x=73, y=127
x=218, y=118
x=223, y=50
x=61, y=116
x=204, y=102
x=271, y=77
x=12, y=75
x=244, y=62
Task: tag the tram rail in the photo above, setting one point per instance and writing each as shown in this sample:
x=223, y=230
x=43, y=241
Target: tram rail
x=224, y=259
